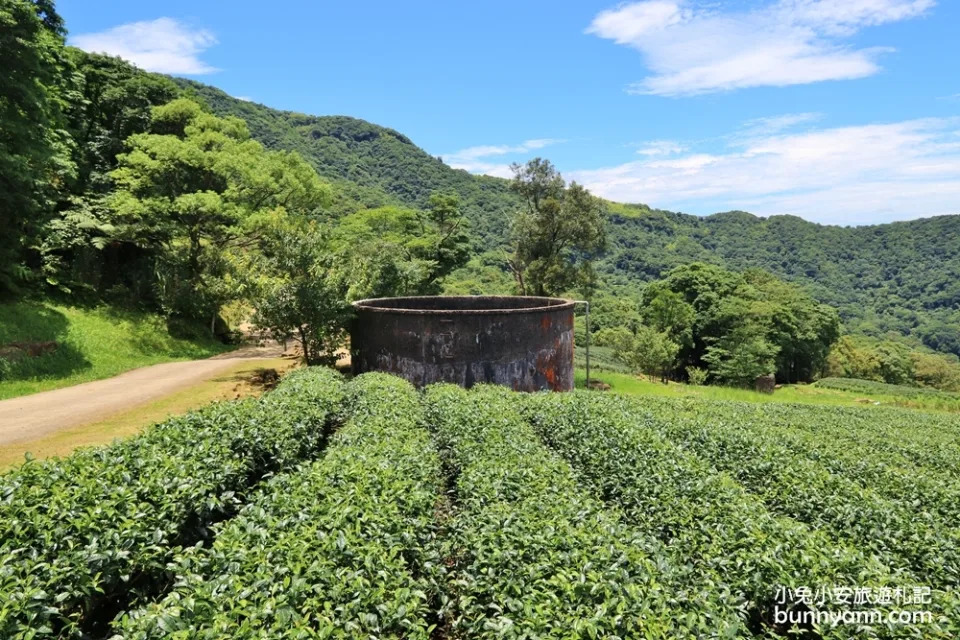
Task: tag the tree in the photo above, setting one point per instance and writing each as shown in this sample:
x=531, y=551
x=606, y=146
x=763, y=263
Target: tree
x=556, y=233
x=394, y=251
x=936, y=370
x=741, y=356
x=35, y=161
x=302, y=296
x=667, y=312
x=652, y=353
x=620, y=339
x=77, y=246
x=195, y=188
x=699, y=305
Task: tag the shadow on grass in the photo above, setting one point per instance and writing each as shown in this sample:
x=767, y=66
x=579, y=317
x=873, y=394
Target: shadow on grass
x=36, y=323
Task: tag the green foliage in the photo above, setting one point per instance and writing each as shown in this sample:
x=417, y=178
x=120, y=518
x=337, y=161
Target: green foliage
x=697, y=376
x=484, y=274
x=371, y=166
x=742, y=325
x=741, y=356
x=901, y=277
x=538, y=557
x=798, y=459
x=892, y=362
x=196, y=188
x=392, y=251
x=721, y=533
x=342, y=548
x=608, y=311
x=35, y=162
x=620, y=339
x=667, y=312
x=555, y=234
x=652, y=353
x=301, y=295
x=85, y=534
x=116, y=102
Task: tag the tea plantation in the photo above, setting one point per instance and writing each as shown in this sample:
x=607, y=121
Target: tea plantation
x=366, y=509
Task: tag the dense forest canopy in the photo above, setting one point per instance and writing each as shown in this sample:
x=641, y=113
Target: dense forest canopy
x=142, y=189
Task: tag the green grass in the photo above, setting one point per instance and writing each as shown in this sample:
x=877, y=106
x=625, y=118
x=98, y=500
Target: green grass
x=803, y=394
x=92, y=343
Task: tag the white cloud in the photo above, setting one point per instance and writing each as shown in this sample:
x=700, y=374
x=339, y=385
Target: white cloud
x=842, y=175
x=472, y=159
x=692, y=48
x=775, y=124
x=244, y=98
x=660, y=148
x=163, y=45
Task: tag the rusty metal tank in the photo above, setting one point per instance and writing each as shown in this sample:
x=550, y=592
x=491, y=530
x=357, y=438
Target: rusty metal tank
x=522, y=342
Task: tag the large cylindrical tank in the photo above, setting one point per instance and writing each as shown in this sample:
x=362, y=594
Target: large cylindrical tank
x=525, y=343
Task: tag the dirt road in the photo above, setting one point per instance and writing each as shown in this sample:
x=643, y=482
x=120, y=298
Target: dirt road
x=30, y=417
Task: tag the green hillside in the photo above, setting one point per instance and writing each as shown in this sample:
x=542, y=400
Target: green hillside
x=370, y=165
x=902, y=277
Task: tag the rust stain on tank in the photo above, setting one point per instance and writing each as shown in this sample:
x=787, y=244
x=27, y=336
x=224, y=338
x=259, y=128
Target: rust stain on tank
x=525, y=343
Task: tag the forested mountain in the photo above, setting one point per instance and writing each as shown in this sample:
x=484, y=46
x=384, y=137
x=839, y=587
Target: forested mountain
x=902, y=277
x=370, y=165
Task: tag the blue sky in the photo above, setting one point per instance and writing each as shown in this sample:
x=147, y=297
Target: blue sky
x=839, y=111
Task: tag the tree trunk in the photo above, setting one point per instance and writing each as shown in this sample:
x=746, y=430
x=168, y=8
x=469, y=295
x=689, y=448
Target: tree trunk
x=304, y=345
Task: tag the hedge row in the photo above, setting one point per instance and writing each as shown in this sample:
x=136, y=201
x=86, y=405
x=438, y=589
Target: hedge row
x=535, y=556
x=882, y=388
x=733, y=542
x=83, y=537
x=907, y=540
x=342, y=548
x=843, y=443
x=924, y=441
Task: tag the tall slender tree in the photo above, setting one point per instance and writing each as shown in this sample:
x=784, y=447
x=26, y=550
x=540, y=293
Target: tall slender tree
x=556, y=233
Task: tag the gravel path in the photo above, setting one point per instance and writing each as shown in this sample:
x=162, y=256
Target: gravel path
x=30, y=417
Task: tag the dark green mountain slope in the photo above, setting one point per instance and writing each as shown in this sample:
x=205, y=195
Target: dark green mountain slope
x=372, y=165
x=902, y=277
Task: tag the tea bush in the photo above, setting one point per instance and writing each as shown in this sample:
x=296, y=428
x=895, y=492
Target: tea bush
x=85, y=536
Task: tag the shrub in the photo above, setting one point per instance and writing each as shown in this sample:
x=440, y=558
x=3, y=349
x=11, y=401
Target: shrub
x=697, y=376
x=85, y=536
x=341, y=548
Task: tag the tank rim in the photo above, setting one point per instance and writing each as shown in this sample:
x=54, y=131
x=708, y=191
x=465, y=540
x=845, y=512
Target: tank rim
x=539, y=304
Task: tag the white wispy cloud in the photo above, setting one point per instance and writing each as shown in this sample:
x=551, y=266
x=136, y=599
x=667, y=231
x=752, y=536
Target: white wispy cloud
x=475, y=159
x=163, y=45
x=775, y=124
x=839, y=175
x=660, y=148
x=693, y=48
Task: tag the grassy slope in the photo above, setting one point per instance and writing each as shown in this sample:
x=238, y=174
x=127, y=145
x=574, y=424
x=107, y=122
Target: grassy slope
x=804, y=394
x=94, y=343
